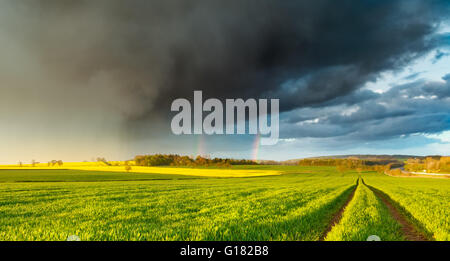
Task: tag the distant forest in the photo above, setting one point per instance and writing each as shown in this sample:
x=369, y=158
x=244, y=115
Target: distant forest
x=177, y=160
x=420, y=164
x=379, y=165
x=429, y=164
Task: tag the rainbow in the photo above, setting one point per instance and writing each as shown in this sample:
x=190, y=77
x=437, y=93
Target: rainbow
x=255, y=148
x=201, y=146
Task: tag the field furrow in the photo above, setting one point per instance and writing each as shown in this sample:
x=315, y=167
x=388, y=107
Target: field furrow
x=364, y=216
x=411, y=228
x=427, y=200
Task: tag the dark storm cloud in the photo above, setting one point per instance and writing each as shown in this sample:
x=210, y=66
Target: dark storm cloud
x=148, y=53
x=79, y=74
x=428, y=90
x=353, y=98
x=418, y=107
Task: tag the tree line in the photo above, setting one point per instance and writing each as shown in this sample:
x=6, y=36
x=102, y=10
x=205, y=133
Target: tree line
x=186, y=161
x=429, y=164
x=359, y=165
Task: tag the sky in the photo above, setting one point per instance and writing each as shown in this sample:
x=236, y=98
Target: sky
x=86, y=79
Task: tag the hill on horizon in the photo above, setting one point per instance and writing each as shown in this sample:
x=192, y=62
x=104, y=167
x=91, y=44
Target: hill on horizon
x=359, y=156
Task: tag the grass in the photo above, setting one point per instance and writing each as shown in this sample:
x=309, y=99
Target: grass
x=62, y=175
x=287, y=207
x=365, y=215
x=296, y=203
x=426, y=200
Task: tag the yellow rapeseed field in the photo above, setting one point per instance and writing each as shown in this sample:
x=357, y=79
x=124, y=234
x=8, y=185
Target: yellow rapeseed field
x=120, y=167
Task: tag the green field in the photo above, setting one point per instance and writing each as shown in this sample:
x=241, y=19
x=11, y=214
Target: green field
x=366, y=215
x=299, y=204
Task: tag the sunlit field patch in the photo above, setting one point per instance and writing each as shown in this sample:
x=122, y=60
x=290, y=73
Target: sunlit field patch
x=366, y=215
x=426, y=199
x=294, y=203
x=295, y=206
x=202, y=172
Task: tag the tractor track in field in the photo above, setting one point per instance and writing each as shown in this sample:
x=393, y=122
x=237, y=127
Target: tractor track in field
x=411, y=228
x=338, y=215
x=410, y=232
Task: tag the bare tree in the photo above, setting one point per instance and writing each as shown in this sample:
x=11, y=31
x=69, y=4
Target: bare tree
x=34, y=163
x=103, y=160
